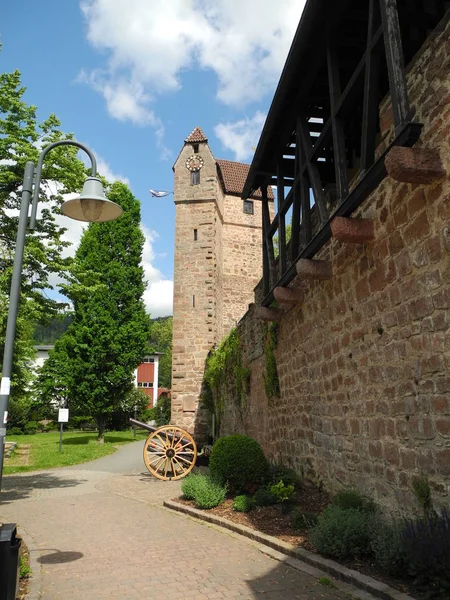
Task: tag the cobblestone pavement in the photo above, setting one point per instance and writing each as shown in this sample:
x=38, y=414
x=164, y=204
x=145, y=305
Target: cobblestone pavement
x=100, y=534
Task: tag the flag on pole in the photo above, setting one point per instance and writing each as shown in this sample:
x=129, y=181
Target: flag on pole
x=159, y=193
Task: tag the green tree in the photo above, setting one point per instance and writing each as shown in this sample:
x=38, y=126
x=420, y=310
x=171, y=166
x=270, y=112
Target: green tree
x=161, y=341
x=108, y=337
x=21, y=138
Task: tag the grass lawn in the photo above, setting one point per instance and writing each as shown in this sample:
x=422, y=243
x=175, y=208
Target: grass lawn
x=77, y=447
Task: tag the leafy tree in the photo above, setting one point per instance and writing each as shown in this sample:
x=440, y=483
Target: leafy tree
x=21, y=139
x=95, y=359
x=161, y=341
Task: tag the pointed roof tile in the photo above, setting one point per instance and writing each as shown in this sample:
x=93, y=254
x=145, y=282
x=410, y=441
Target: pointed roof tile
x=196, y=136
x=234, y=175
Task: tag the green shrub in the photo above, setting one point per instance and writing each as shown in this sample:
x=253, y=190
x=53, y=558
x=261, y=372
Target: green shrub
x=302, y=519
x=343, y=532
x=352, y=498
x=282, y=492
x=289, y=476
x=422, y=491
x=239, y=461
x=203, y=491
x=264, y=497
x=209, y=494
x=190, y=485
x=387, y=546
x=242, y=503
x=52, y=426
x=426, y=543
x=30, y=428
x=14, y=431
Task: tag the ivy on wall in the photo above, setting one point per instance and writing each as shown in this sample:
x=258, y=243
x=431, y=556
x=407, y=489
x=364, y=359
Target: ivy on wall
x=271, y=381
x=225, y=378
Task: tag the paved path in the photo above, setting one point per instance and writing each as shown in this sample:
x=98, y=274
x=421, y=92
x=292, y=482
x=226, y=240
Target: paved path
x=100, y=531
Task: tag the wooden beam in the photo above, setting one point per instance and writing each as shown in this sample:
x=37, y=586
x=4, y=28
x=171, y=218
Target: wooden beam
x=370, y=102
x=394, y=60
x=313, y=172
x=268, y=314
x=314, y=269
x=414, y=165
x=281, y=221
x=290, y=297
x=355, y=231
x=339, y=152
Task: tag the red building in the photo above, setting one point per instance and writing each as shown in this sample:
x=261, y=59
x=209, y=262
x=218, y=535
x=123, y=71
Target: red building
x=146, y=377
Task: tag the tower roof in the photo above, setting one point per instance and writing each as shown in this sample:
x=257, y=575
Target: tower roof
x=234, y=175
x=196, y=136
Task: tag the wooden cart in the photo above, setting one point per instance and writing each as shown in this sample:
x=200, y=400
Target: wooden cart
x=169, y=451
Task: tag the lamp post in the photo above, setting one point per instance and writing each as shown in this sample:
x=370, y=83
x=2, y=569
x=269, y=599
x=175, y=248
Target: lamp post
x=91, y=206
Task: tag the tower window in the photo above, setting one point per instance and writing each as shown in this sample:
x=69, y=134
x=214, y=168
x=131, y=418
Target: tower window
x=193, y=301
x=195, y=235
x=248, y=207
x=195, y=177
x=195, y=148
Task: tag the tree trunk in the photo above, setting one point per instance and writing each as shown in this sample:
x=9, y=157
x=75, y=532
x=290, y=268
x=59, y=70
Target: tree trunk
x=101, y=431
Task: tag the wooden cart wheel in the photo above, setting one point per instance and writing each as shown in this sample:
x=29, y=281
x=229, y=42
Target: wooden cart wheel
x=170, y=452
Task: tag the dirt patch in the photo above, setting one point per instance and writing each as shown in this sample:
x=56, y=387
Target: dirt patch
x=20, y=456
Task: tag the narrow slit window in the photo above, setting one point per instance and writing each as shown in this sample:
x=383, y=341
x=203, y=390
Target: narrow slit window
x=248, y=207
x=195, y=235
x=193, y=301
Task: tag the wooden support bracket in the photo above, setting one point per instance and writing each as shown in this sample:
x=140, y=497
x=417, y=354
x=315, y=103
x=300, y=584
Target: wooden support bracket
x=314, y=269
x=356, y=231
x=268, y=314
x=414, y=165
x=288, y=297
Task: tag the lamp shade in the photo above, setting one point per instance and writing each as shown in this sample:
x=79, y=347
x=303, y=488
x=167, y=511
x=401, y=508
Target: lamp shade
x=92, y=205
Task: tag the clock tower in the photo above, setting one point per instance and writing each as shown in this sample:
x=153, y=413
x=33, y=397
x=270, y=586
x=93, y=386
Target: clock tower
x=217, y=265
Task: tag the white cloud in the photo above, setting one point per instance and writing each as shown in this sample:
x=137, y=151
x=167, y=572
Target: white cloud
x=158, y=296
x=150, y=44
x=105, y=170
x=241, y=137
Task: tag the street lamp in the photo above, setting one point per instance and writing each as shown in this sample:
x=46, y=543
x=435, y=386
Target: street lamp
x=91, y=206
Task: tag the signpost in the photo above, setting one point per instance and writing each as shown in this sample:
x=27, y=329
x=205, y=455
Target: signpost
x=63, y=417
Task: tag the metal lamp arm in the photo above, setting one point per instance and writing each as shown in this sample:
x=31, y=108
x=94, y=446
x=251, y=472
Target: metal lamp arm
x=38, y=175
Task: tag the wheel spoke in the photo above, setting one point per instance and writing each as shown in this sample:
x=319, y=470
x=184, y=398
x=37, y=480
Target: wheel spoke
x=159, y=464
x=180, y=465
x=165, y=441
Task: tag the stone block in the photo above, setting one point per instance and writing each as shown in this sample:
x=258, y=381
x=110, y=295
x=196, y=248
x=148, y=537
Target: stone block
x=189, y=404
x=356, y=231
x=414, y=165
x=289, y=296
x=314, y=269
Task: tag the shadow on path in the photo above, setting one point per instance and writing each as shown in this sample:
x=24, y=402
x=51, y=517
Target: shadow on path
x=58, y=556
x=284, y=582
x=20, y=487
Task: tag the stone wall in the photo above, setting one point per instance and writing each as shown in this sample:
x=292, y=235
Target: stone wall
x=364, y=362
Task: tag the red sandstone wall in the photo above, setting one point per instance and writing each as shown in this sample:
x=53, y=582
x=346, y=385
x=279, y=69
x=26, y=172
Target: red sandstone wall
x=364, y=363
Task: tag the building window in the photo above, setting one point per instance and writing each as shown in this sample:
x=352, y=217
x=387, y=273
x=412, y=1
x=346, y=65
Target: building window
x=148, y=359
x=195, y=177
x=145, y=384
x=195, y=148
x=193, y=301
x=195, y=235
x=248, y=207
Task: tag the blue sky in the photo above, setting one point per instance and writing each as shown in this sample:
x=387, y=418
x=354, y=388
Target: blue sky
x=132, y=78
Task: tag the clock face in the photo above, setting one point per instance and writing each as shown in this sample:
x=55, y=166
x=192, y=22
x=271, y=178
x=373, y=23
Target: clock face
x=194, y=163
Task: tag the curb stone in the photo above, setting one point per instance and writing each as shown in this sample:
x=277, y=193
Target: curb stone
x=35, y=579
x=363, y=582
